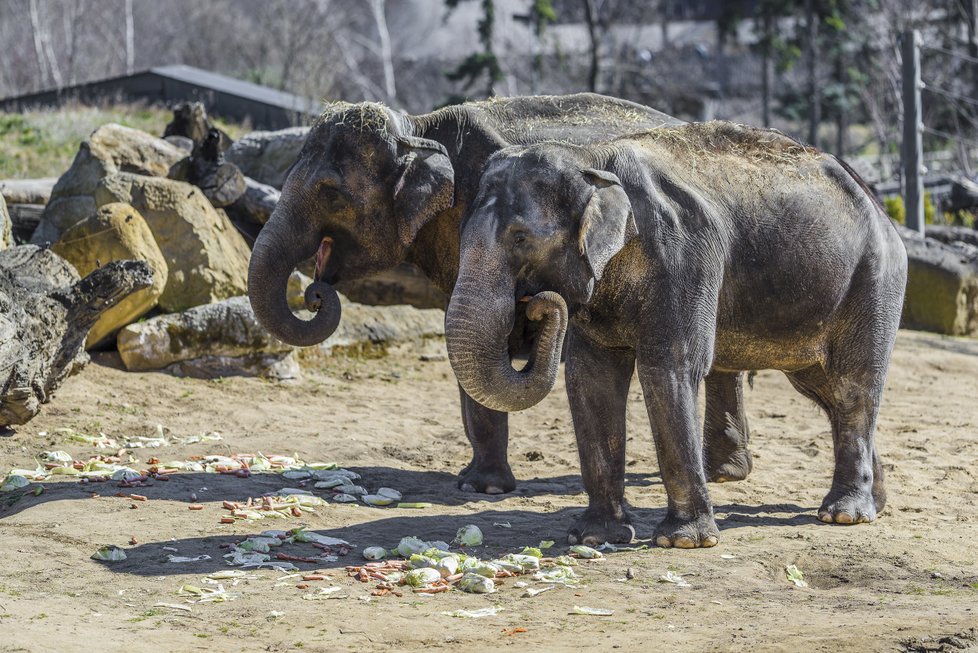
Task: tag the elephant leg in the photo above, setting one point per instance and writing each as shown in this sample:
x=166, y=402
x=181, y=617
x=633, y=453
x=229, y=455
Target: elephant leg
x=726, y=435
x=597, y=386
x=488, y=433
x=670, y=397
x=857, y=493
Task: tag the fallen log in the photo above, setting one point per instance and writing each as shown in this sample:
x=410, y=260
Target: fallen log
x=46, y=312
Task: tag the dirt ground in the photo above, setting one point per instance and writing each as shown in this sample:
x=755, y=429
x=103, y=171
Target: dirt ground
x=907, y=582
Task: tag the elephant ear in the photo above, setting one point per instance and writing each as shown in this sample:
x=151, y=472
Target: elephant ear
x=426, y=184
x=608, y=222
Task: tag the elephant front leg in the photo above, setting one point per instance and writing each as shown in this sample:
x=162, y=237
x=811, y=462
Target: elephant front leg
x=488, y=433
x=597, y=386
x=670, y=396
x=725, y=431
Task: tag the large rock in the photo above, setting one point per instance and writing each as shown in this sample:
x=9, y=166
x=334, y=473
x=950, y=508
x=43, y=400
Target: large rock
x=6, y=226
x=207, y=258
x=116, y=232
x=27, y=191
x=404, y=284
x=221, y=339
x=109, y=150
x=942, y=286
x=266, y=156
x=383, y=325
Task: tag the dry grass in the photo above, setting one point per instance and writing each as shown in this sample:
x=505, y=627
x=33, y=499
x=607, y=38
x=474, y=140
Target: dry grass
x=43, y=142
x=718, y=138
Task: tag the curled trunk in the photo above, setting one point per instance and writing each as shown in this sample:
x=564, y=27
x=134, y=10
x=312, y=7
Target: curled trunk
x=277, y=251
x=476, y=332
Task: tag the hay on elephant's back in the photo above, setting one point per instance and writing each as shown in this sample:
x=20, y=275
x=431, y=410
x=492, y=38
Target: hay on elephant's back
x=719, y=138
x=360, y=116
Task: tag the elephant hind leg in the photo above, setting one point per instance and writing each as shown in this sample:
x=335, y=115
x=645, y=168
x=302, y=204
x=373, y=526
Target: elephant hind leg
x=726, y=435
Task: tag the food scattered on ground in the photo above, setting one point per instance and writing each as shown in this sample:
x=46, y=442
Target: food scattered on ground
x=795, y=575
x=109, y=553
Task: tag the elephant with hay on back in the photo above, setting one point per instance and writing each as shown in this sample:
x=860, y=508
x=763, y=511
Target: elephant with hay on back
x=372, y=188
x=679, y=251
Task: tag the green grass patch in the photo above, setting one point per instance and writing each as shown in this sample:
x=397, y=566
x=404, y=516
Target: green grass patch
x=43, y=142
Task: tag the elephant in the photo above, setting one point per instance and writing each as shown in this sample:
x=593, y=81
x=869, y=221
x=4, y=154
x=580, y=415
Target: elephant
x=677, y=251
x=372, y=188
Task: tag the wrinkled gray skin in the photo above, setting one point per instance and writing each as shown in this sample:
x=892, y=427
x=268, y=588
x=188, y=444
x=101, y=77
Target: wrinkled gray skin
x=681, y=250
x=384, y=188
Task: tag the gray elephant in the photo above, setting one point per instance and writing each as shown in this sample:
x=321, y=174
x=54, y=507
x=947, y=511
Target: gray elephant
x=372, y=188
x=683, y=249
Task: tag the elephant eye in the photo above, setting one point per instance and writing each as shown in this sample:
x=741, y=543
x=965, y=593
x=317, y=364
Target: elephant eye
x=519, y=237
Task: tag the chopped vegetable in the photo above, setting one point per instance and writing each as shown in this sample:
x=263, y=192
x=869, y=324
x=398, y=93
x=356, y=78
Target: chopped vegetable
x=592, y=612
x=411, y=545
x=674, y=578
x=476, y=584
x=375, y=553
x=585, y=552
x=421, y=577
x=795, y=575
x=389, y=492
x=377, y=500
x=109, y=553
x=414, y=505
x=14, y=482
x=469, y=535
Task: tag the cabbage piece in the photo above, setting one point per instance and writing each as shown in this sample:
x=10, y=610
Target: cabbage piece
x=565, y=561
x=57, y=456
x=126, y=474
x=421, y=577
x=532, y=551
x=474, y=614
x=526, y=563
x=410, y=545
x=419, y=561
x=586, y=552
x=13, y=482
x=377, y=500
x=447, y=566
x=469, y=535
x=109, y=553
x=476, y=584
x=375, y=553
x=795, y=575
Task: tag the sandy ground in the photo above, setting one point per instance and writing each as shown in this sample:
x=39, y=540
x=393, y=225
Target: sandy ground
x=907, y=582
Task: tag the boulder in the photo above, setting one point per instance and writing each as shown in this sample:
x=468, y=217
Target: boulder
x=109, y=150
x=207, y=258
x=942, y=286
x=220, y=339
x=6, y=226
x=267, y=156
x=950, y=234
x=27, y=191
x=46, y=312
x=115, y=232
x=382, y=325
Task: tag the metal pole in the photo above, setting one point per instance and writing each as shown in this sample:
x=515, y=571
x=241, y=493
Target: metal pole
x=913, y=144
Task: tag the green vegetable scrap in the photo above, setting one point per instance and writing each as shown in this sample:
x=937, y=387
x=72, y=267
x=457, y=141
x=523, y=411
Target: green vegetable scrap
x=470, y=535
x=585, y=552
x=592, y=612
x=14, y=482
x=109, y=553
x=674, y=578
x=795, y=575
x=476, y=584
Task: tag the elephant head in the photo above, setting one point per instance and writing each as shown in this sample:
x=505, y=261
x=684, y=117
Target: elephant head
x=543, y=228
x=356, y=196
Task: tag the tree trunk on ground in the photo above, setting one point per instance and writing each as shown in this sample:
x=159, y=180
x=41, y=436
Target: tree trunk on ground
x=45, y=315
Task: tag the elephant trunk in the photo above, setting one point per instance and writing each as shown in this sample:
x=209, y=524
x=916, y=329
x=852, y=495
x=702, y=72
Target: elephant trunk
x=277, y=252
x=476, y=332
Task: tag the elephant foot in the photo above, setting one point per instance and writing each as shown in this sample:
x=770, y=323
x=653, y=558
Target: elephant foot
x=486, y=480
x=687, y=534
x=594, y=528
x=734, y=465
x=848, y=507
